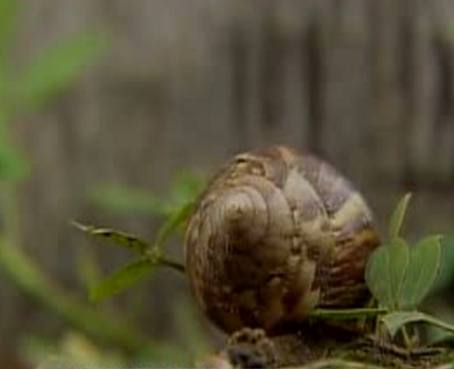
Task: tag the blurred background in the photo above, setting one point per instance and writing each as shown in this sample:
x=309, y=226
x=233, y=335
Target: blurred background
x=112, y=112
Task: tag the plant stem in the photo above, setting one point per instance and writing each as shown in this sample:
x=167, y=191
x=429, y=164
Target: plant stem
x=172, y=264
x=172, y=222
x=346, y=314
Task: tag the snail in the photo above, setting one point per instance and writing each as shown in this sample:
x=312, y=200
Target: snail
x=277, y=233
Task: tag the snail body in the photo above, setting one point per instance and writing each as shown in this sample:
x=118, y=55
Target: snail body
x=275, y=234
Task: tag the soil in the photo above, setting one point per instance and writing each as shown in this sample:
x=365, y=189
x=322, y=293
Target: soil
x=328, y=347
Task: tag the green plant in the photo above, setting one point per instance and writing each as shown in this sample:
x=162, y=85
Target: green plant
x=148, y=255
x=53, y=71
x=399, y=276
x=30, y=88
x=23, y=91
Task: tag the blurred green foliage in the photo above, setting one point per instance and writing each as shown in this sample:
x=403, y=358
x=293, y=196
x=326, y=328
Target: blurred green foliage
x=184, y=187
x=47, y=75
x=72, y=350
x=173, y=210
x=24, y=90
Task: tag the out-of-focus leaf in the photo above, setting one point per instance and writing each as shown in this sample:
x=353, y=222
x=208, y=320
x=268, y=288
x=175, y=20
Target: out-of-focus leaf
x=187, y=186
x=398, y=216
x=159, y=356
x=87, y=269
x=396, y=320
x=56, y=68
x=122, y=279
x=8, y=14
x=385, y=272
x=73, y=350
x=172, y=223
x=421, y=272
x=13, y=166
x=122, y=199
x=119, y=238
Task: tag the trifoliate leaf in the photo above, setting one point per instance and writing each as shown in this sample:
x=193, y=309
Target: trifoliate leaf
x=385, y=272
x=423, y=269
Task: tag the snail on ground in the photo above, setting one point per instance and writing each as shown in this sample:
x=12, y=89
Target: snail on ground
x=277, y=233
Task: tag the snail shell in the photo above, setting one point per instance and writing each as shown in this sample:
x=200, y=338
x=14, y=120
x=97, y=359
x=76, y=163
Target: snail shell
x=277, y=233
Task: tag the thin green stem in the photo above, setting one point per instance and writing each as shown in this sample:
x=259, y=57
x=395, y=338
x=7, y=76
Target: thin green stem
x=171, y=224
x=346, y=314
x=157, y=257
x=172, y=264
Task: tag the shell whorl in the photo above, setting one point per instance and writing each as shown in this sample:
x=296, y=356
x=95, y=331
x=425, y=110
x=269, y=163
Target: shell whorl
x=275, y=234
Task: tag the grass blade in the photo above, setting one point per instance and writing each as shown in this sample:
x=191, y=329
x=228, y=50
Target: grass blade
x=397, y=218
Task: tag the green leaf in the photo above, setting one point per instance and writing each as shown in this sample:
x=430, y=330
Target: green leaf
x=119, y=238
x=423, y=269
x=396, y=320
x=398, y=216
x=122, y=279
x=187, y=186
x=56, y=68
x=172, y=223
x=13, y=166
x=446, y=275
x=385, y=272
x=8, y=15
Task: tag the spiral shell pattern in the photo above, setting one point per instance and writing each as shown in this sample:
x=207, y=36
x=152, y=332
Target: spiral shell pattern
x=275, y=234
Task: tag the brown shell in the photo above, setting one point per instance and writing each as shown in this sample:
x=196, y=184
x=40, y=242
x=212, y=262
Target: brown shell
x=275, y=234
